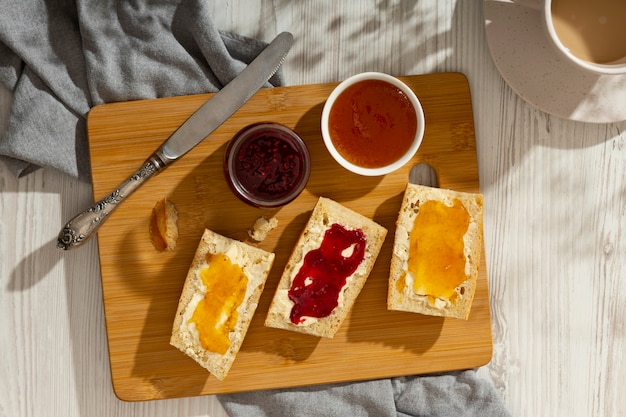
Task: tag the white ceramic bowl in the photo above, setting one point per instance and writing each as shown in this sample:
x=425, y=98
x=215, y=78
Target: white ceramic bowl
x=404, y=158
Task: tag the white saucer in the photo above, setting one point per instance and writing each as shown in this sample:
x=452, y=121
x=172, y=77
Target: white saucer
x=530, y=65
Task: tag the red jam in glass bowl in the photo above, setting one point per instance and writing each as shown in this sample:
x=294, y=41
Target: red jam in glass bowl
x=267, y=165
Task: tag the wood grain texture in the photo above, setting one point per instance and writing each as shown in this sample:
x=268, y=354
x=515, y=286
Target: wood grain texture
x=141, y=285
x=555, y=204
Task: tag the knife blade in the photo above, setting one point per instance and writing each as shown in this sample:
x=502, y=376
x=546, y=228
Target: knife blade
x=194, y=130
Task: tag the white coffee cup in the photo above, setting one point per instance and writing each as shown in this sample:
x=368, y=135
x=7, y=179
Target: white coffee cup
x=590, y=34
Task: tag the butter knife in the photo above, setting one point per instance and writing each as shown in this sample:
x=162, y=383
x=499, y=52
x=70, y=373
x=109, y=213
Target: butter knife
x=195, y=129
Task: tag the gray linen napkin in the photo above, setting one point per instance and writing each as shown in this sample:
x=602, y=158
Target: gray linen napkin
x=60, y=58
x=455, y=394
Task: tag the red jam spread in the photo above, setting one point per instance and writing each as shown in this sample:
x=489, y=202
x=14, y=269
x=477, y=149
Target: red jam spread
x=372, y=123
x=316, y=286
x=268, y=165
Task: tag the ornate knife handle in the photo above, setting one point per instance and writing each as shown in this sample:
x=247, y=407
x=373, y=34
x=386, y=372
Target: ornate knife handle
x=82, y=227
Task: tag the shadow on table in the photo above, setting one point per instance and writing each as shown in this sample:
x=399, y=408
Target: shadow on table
x=25, y=276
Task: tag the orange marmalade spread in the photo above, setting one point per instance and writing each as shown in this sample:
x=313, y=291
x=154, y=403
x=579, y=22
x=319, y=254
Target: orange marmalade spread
x=436, y=252
x=216, y=315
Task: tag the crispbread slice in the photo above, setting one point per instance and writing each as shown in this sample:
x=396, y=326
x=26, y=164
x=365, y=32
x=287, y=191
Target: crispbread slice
x=326, y=213
x=256, y=264
x=401, y=294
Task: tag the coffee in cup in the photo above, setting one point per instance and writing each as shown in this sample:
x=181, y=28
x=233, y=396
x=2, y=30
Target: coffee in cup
x=589, y=33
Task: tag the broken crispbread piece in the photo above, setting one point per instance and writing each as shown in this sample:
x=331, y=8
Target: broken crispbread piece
x=164, y=225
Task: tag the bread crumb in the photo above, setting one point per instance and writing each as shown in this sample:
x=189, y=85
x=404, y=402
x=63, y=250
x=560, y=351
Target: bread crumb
x=164, y=225
x=262, y=227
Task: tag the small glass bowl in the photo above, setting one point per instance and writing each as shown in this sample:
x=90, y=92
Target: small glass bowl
x=267, y=165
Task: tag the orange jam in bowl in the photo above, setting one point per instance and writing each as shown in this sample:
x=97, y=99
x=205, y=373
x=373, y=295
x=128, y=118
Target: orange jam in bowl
x=372, y=124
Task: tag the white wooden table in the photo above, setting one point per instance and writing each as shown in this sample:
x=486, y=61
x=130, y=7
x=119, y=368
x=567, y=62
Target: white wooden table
x=555, y=227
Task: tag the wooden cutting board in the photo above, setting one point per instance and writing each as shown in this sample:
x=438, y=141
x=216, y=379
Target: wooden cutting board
x=141, y=286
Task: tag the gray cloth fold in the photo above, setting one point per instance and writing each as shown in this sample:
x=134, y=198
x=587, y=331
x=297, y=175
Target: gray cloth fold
x=458, y=394
x=62, y=57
